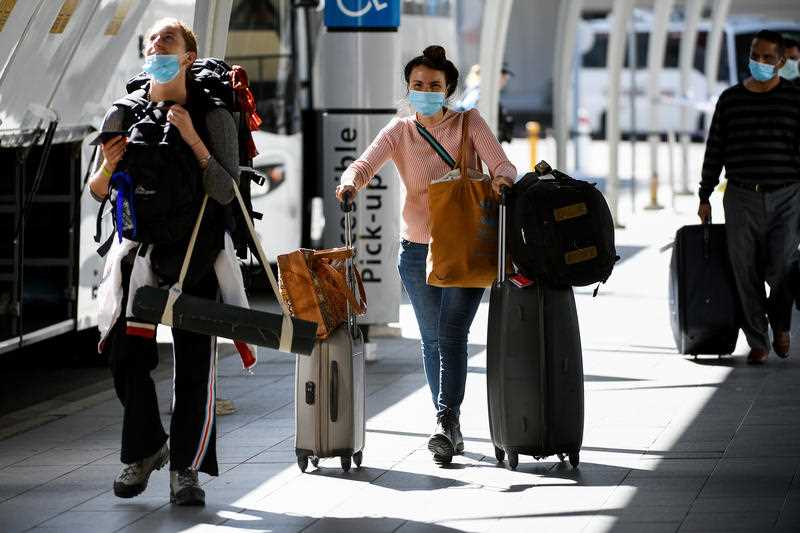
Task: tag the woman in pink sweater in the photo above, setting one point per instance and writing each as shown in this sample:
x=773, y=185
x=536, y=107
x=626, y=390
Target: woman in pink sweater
x=444, y=315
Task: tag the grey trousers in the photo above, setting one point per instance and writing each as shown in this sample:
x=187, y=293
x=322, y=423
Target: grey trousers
x=763, y=230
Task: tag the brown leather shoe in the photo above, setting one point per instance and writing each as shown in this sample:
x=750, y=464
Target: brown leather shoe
x=781, y=343
x=757, y=357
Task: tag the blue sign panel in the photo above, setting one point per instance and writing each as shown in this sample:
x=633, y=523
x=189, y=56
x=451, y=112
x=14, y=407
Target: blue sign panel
x=356, y=14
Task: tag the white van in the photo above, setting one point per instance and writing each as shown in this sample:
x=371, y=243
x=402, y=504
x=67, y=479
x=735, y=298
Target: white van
x=737, y=36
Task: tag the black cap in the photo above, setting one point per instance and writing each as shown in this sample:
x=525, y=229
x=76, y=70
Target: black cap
x=506, y=70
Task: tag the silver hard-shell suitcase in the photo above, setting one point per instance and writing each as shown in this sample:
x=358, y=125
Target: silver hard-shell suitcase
x=329, y=391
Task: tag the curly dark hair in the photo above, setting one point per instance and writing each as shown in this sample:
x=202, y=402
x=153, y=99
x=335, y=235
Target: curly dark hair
x=435, y=57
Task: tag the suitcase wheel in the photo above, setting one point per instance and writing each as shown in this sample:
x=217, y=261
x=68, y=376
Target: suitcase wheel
x=561, y=457
x=357, y=457
x=513, y=460
x=302, y=462
x=574, y=459
x=346, y=463
x=315, y=461
x=499, y=454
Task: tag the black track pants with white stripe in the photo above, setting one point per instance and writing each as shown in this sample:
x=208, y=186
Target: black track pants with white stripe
x=192, y=426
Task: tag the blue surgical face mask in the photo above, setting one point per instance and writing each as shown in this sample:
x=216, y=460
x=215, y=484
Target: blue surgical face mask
x=762, y=71
x=426, y=103
x=162, y=67
x=790, y=70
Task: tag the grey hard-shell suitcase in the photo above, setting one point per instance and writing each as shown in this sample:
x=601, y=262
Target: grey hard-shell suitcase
x=330, y=392
x=534, y=368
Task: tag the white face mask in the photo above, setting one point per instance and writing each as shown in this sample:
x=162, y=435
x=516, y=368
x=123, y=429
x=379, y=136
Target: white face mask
x=790, y=70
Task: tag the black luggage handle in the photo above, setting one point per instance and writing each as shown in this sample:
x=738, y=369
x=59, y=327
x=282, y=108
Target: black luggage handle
x=542, y=168
x=334, y=391
x=707, y=238
x=347, y=202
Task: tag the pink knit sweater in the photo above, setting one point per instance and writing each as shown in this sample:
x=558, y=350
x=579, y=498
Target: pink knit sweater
x=418, y=164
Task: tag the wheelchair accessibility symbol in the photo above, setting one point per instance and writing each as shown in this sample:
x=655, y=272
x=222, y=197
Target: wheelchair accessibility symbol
x=379, y=6
x=357, y=14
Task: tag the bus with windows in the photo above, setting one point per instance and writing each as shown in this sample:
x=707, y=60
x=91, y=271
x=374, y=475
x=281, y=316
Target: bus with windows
x=738, y=33
x=49, y=267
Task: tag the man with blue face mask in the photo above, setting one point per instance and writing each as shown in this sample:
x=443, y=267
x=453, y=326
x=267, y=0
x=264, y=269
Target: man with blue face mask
x=790, y=70
x=754, y=136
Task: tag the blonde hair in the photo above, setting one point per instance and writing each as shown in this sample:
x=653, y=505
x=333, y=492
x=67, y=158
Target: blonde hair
x=188, y=35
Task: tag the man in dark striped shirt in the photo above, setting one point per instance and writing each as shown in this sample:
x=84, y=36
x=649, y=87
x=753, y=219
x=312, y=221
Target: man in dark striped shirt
x=755, y=136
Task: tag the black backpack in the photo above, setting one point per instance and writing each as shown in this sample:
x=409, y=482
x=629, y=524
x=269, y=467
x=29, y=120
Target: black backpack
x=560, y=230
x=214, y=84
x=157, y=188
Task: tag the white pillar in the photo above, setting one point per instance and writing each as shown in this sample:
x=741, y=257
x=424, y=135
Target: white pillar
x=714, y=43
x=688, y=45
x=655, y=64
x=211, y=21
x=616, y=54
x=493, y=45
x=569, y=12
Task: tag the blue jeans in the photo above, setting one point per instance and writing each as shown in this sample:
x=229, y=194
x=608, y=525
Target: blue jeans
x=444, y=317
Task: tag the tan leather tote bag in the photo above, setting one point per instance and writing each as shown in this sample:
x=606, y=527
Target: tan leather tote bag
x=463, y=212
x=314, y=285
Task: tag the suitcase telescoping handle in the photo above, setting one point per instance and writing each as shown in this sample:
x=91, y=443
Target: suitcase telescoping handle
x=501, y=236
x=347, y=208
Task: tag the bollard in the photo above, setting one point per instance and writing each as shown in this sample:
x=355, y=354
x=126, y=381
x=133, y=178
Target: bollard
x=654, y=205
x=533, y=140
x=654, y=140
x=671, y=160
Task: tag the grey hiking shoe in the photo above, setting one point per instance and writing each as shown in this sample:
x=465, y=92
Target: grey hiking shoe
x=184, y=488
x=132, y=479
x=446, y=441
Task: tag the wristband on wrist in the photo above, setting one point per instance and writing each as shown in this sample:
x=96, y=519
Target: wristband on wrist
x=104, y=169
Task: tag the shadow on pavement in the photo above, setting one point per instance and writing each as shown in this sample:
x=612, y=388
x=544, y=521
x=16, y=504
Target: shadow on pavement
x=734, y=465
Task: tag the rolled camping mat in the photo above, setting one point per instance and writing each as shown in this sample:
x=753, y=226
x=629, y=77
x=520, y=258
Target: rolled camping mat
x=208, y=317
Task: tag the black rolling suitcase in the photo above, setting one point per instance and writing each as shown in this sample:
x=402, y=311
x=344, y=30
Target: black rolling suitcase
x=534, y=368
x=704, y=305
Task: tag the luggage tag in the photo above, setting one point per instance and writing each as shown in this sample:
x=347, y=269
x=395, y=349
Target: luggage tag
x=521, y=281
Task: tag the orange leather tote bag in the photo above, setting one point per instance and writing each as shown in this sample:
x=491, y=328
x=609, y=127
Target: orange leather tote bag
x=463, y=213
x=314, y=285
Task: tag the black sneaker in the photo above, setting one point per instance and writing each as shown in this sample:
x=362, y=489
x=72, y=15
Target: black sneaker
x=184, y=488
x=132, y=479
x=443, y=443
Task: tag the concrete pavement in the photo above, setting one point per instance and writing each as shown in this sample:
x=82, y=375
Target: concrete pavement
x=671, y=443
